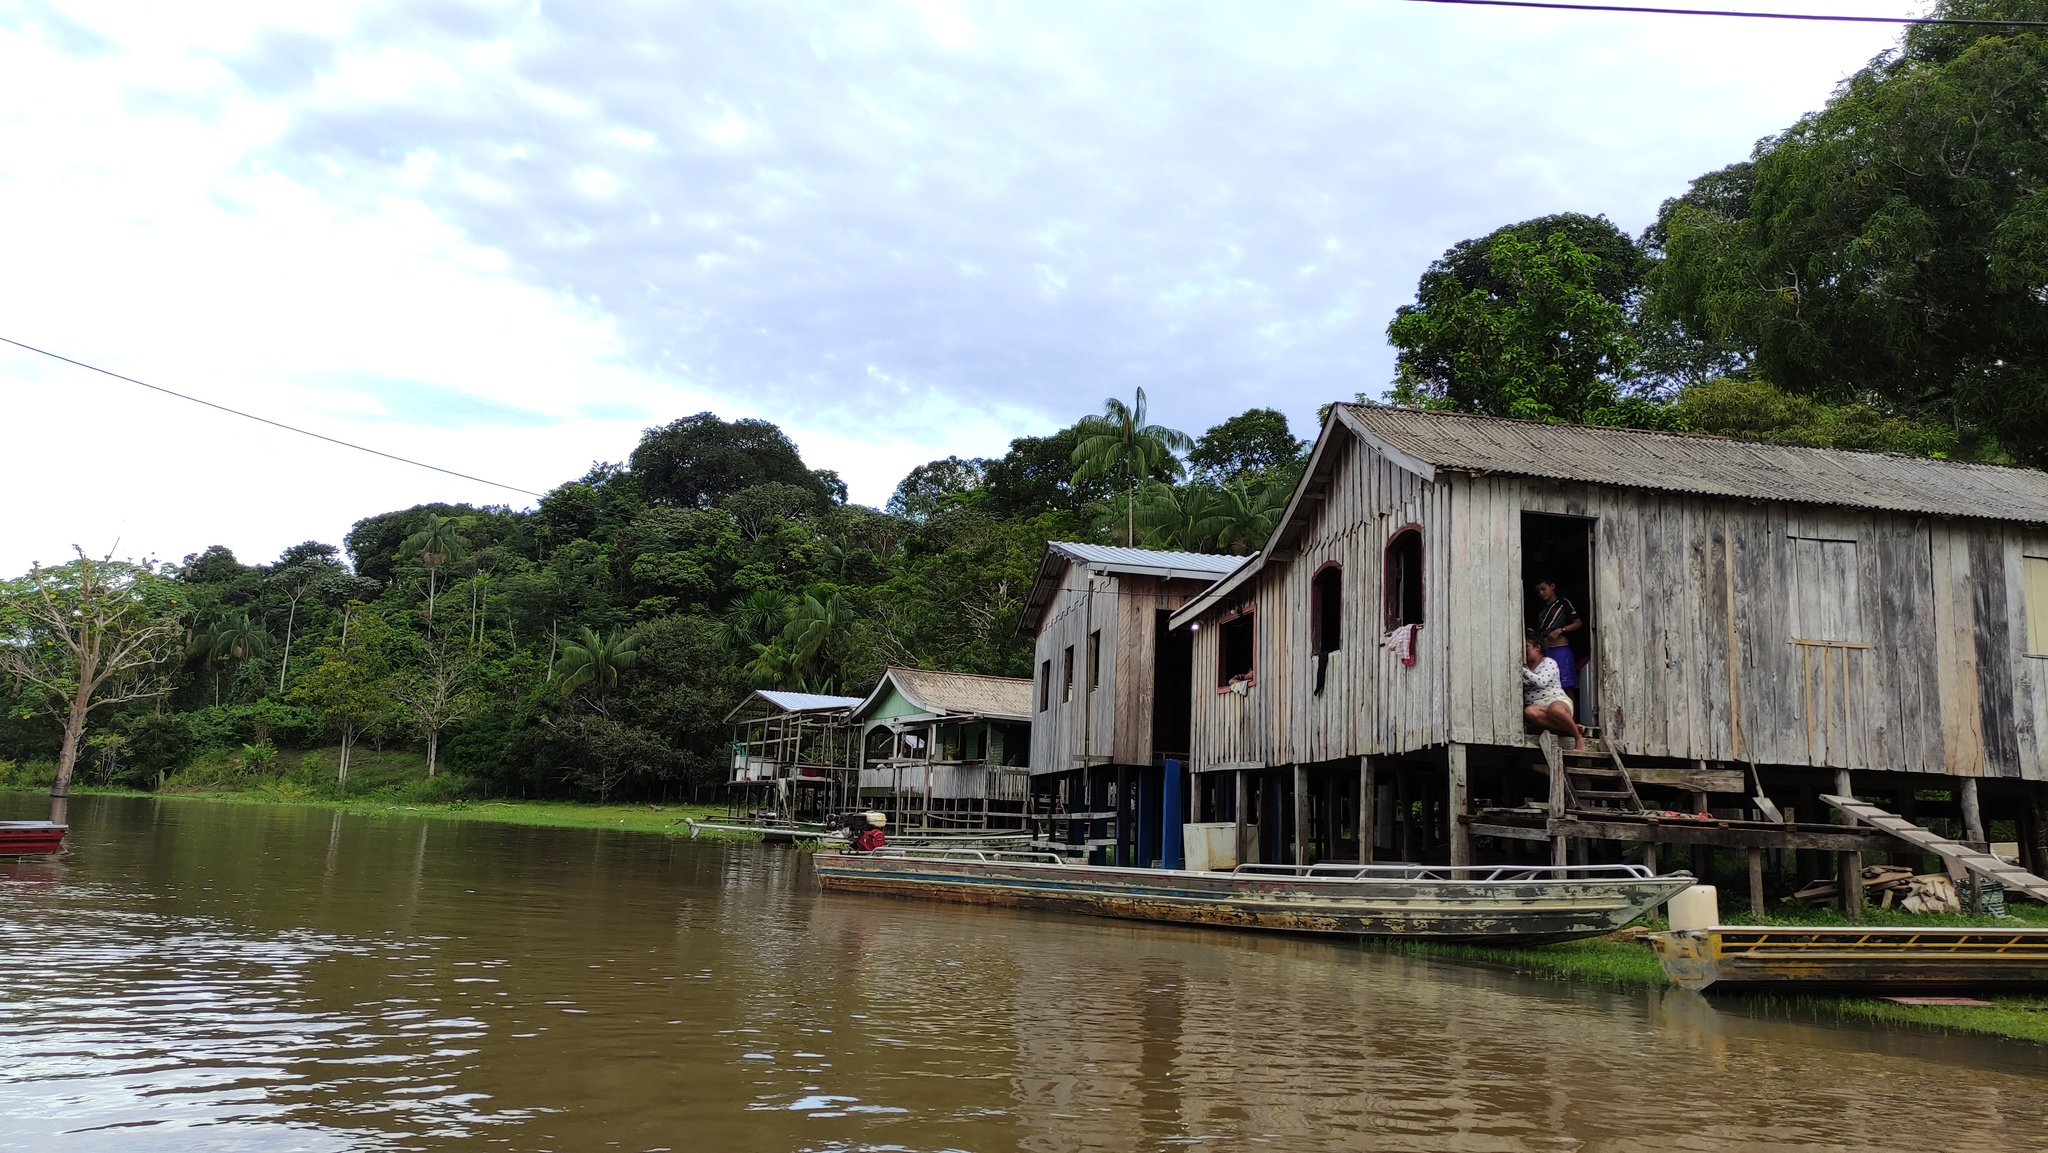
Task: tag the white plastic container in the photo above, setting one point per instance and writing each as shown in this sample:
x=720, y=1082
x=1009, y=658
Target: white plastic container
x=1696, y=908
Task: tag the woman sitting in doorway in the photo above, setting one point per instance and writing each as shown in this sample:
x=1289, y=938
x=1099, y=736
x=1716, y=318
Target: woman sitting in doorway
x=1544, y=703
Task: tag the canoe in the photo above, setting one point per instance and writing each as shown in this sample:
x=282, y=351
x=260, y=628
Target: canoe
x=24, y=838
x=790, y=832
x=1526, y=903
x=1736, y=957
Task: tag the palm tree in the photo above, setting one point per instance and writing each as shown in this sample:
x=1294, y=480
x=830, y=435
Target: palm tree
x=436, y=544
x=817, y=633
x=595, y=660
x=1120, y=443
x=235, y=639
x=1245, y=517
x=755, y=621
x=1183, y=518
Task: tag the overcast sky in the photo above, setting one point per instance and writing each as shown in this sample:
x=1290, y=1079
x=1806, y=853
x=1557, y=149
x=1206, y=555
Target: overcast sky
x=505, y=237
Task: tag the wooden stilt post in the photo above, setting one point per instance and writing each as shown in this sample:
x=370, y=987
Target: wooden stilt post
x=1368, y=820
x=1242, y=808
x=1973, y=828
x=1756, y=882
x=1553, y=757
x=1848, y=866
x=1460, y=801
x=1301, y=837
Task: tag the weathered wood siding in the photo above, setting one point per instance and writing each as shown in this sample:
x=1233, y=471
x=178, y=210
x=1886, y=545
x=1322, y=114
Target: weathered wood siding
x=1113, y=724
x=1724, y=630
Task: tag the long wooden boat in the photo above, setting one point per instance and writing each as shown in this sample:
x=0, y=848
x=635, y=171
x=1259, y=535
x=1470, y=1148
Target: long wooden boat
x=1735, y=957
x=789, y=832
x=1532, y=904
x=27, y=838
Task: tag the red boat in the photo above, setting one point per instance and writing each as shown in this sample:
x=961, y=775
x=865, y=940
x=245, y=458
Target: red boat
x=22, y=838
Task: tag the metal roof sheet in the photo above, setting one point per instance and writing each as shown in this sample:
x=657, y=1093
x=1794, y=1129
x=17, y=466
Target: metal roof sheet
x=1117, y=556
x=1711, y=466
x=807, y=702
x=961, y=693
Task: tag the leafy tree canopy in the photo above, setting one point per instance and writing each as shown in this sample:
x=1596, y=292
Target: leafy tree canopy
x=1257, y=442
x=929, y=486
x=694, y=461
x=1893, y=245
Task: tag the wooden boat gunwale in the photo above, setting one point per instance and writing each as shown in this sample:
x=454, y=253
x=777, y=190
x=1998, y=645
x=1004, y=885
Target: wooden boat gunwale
x=1396, y=899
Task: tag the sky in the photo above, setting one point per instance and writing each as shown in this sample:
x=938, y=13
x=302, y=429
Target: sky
x=507, y=237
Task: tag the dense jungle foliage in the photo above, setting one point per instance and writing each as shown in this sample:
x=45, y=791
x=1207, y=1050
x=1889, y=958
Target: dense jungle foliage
x=592, y=645
x=1874, y=277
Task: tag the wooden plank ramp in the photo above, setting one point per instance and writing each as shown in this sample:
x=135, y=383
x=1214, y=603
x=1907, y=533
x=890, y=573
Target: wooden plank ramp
x=1955, y=853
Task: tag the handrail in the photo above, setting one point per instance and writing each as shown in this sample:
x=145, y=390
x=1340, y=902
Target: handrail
x=1473, y=873
x=983, y=855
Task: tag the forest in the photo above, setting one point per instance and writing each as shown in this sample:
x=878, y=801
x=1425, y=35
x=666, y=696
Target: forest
x=1874, y=277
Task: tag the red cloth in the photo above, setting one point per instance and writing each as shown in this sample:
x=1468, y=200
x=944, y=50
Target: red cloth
x=868, y=840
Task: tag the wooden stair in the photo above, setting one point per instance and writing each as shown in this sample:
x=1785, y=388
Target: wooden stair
x=1956, y=854
x=1595, y=780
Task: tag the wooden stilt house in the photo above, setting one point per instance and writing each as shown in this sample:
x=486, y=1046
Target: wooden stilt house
x=1111, y=692
x=946, y=750
x=794, y=755
x=1760, y=621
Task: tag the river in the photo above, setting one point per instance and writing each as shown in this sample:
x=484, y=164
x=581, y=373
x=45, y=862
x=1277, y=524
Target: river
x=196, y=975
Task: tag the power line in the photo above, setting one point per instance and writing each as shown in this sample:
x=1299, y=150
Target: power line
x=268, y=421
x=1739, y=15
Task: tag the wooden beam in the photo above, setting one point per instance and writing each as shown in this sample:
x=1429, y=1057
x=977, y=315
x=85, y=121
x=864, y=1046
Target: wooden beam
x=1460, y=800
x=1692, y=780
x=1756, y=882
x=1301, y=837
x=1724, y=834
x=1242, y=804
x=1849, y=865
x=1553, y=757
x=1368, y=826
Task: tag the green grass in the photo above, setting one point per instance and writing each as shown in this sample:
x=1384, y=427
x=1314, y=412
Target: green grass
x=1620, y=962
x=393, y=781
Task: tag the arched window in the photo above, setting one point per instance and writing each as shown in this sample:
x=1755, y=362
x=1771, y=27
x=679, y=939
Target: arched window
x=1404, y=578
x=1326, y=609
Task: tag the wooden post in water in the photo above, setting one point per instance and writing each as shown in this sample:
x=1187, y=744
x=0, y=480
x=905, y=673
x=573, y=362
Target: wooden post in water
x=1301, y=837
x=1368, y=820
x=1756, y=882
x=1848, y=866
x=1973, y=828
x=1460, y=800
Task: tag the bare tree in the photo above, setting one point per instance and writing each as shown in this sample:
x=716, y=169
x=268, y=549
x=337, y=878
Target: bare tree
x=437, y=694
x=87, y=634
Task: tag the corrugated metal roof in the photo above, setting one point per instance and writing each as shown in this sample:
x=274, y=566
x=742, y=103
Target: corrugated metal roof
x=806, y=702
x=1117, y=556
x=1711, y=466
x=1004, y=697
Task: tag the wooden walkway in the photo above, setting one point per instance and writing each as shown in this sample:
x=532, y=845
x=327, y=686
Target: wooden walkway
x=1957, y=854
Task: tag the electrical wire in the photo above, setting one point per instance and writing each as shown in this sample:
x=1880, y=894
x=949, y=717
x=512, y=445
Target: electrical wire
x=270, y=422
x=1740, y=15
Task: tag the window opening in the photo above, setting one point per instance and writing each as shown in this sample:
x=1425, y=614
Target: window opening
x=1825, y=601
x=1067, y=675
x=1094, y=660
x=1045, y=684
x=2035, y=570
x=1326, y=618
x=1235, y=649
x=1404, y=579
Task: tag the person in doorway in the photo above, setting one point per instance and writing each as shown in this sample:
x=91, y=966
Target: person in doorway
x=1544, y=703
x=870, y=837
x=1556, y=619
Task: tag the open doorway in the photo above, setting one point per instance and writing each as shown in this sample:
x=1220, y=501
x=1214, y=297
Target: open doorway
x=1560, y=549
x=1172, y=690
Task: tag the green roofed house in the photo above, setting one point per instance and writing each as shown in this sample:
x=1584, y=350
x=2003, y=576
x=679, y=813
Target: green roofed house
x=946, y=750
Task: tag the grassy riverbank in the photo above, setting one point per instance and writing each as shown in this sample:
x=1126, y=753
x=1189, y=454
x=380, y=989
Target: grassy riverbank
x=379, y=782
x=1622, y=961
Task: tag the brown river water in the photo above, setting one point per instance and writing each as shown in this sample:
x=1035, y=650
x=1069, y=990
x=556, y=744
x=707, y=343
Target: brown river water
x=208, y=976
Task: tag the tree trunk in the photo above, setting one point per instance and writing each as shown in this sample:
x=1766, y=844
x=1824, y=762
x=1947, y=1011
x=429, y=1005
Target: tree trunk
x=286, y=663
x=433, y=745
x=348, y=743
x=67, y=754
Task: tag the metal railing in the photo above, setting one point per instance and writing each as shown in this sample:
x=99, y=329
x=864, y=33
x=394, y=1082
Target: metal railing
x=1481, y=874
x=985, y=856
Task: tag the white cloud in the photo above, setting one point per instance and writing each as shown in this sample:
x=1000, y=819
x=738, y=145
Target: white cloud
x=457, y=231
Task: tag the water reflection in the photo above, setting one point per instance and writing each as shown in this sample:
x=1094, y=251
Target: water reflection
x=230, y=977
